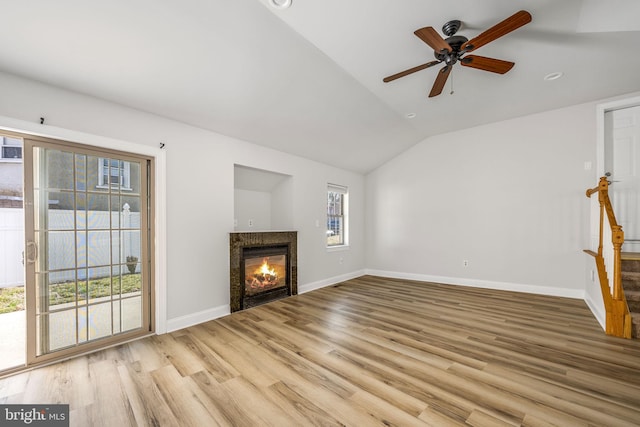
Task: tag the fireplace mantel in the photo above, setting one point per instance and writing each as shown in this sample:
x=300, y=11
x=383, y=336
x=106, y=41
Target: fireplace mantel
x=239, y=241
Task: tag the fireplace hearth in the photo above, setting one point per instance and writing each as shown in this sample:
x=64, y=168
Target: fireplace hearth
x=263, y=267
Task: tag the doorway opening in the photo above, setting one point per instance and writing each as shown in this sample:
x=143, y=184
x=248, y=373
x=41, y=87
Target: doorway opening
x=621, y=164
x=87, y=236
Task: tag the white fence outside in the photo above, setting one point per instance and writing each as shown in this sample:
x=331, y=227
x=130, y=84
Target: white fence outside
x=97, y=246
x=11, y=247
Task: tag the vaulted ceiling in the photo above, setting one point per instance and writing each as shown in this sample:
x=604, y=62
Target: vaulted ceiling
x=308, y=79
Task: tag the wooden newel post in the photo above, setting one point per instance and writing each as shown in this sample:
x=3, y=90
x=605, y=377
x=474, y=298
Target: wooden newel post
x=618, y=319
x=617, y=238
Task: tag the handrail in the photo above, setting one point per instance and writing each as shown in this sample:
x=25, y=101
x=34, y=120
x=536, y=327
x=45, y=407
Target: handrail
x=618, y=320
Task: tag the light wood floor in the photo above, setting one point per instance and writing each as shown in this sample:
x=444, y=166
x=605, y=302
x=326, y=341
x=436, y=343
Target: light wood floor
x=367, y=352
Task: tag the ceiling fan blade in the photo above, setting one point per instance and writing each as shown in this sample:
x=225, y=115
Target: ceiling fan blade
x=433, y=39
x=438, y=85
x=487, y=64
x=410, y=71
x=510, y=24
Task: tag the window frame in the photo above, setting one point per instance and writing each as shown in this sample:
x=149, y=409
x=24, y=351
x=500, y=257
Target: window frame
x=124, y=173
x=342, y=216
x=18, y=144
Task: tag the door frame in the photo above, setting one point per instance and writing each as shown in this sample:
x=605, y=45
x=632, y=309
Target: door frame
x=158, y=153
x=146, y=269
x=601, y=109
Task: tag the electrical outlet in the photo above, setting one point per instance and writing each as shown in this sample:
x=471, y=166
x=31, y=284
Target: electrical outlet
x=235, y=222
x=341, y=260
x=465, y=263
x=250, y=223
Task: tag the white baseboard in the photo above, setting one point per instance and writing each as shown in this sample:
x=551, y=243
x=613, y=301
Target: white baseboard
x=600, y=316
x=216, y=312
x=487, y=284
x=196, y=318
x=330, y=281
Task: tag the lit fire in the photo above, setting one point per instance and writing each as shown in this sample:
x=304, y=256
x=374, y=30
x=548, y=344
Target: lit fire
x=263, y=277
x=264, y=269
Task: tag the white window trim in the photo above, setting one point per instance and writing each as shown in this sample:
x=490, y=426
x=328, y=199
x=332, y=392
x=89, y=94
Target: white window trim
x=344, y=190
x=126, y=176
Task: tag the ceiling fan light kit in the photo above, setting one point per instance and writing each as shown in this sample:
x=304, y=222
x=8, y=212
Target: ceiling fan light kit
x=280, y=4
x=553, y=76
x=455, y=48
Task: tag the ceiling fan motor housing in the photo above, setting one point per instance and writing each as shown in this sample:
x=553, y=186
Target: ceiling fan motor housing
x=456, y=43
x=451, y=27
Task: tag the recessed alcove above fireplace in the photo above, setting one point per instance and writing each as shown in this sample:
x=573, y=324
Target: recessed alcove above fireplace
x=263, y=267
x=263, y=200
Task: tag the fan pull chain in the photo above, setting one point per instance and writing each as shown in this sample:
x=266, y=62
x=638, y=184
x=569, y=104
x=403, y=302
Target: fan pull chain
x=451, y=82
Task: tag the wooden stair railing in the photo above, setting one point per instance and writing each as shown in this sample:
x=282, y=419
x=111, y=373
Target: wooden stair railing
x=618, y=318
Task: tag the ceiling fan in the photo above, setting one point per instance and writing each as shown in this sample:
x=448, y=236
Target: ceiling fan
x=455, y=49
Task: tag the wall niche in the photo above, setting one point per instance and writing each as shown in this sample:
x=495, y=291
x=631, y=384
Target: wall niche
x=263, y=200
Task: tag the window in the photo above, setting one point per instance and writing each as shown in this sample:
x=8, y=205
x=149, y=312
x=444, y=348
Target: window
x=115, y=172
x=337, y=224
x=11, y=148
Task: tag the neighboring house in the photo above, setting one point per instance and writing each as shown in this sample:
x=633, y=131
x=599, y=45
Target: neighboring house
x=96, y=173
x=99, y=172
x=10, y=172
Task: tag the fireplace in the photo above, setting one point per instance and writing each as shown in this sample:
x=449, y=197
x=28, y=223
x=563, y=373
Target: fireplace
x=263, y=267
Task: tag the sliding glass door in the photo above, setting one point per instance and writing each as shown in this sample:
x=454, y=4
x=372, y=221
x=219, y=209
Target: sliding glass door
x=88, y=251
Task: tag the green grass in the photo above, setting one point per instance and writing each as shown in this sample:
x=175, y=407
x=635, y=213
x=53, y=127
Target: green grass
x=62, y=293
x=12, y=299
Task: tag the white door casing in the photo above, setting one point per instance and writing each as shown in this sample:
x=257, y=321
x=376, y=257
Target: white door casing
x=619, y=159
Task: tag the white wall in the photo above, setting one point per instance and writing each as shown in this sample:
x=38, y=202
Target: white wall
x=265, y=210
x=509, y=197
x=254, y=207
x=282, y=205
x=199, y=192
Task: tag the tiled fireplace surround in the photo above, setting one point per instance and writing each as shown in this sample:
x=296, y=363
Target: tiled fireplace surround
x=239, y=241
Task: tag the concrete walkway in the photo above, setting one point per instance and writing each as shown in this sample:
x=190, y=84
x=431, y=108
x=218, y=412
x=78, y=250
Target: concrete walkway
x=13, y=335
x=63, y=328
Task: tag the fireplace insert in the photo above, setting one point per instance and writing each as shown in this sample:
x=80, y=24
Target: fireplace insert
x=264, y=274
x=263, y=267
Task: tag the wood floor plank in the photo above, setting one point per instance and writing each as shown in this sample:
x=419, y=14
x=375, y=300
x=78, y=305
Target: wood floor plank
x=481, y=419
x=262, y=406
x=296, y=405
x=369, y=351
x=214, y=364
x=363, y=379
x=225, y=408
x=185, y=406
x=147, y=401
x=111, y=405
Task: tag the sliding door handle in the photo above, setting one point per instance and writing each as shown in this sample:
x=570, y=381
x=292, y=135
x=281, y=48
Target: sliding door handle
x=32, y=252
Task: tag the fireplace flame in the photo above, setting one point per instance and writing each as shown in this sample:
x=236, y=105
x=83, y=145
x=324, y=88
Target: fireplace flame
x=265, y=270
x=263, y=277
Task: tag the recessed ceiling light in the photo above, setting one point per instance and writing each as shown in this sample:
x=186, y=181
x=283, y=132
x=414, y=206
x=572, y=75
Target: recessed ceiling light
x=280, y=4
x=553, y=76
x=410, y=115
